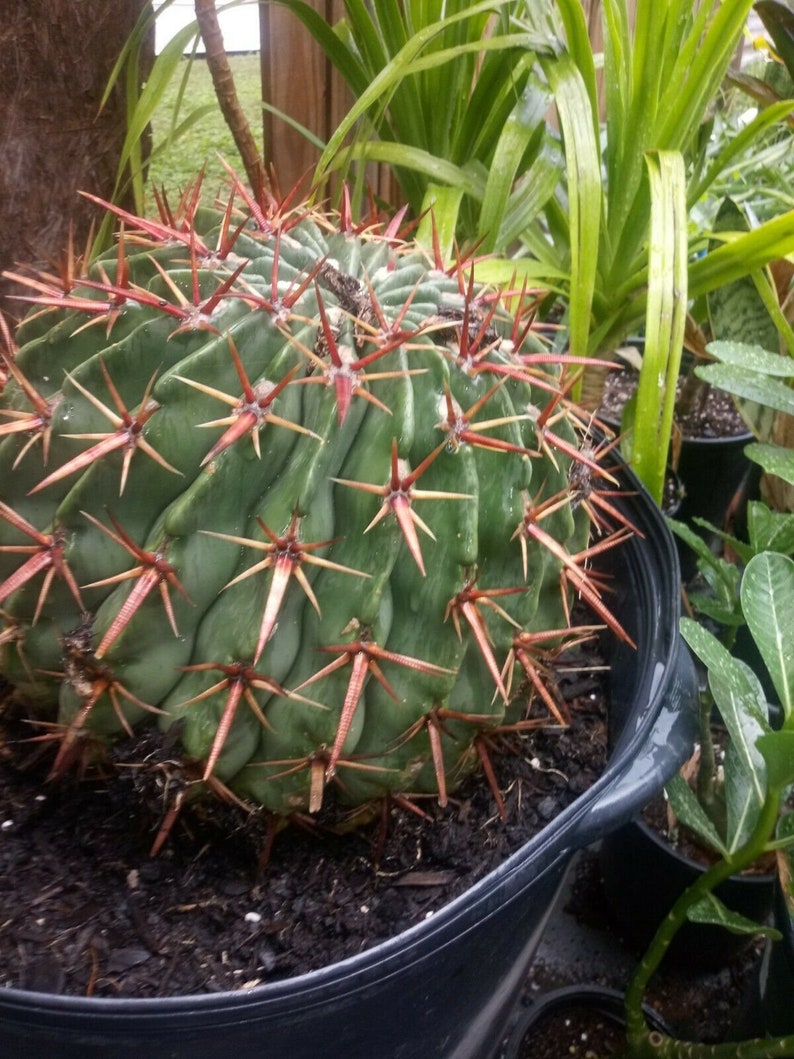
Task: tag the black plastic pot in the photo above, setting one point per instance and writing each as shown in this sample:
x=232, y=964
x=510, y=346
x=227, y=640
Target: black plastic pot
x=644, y=875
x=597, y=1002
x=714, y=473
x=770, y=1010
x=446, y=987
x=717, y=478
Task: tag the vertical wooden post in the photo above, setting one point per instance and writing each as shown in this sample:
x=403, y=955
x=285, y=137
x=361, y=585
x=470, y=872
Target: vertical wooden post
x=296, y=79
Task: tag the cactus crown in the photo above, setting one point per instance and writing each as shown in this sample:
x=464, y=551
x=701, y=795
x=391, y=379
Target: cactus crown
x=292, y=486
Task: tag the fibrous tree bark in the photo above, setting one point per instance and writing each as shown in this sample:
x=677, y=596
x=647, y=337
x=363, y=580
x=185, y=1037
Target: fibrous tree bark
x=55, y=60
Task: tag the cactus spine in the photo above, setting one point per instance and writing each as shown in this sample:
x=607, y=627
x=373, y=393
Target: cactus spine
x=291, y=486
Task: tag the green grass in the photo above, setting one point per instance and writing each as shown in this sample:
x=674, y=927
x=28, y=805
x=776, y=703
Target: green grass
x=201, y=143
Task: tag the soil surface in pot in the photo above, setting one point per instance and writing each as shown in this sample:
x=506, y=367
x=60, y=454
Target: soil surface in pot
x=713, y=415
x=84, y=909
x=579, y=1033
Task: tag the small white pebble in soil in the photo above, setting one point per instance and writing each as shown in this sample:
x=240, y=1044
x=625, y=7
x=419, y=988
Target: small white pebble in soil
x=428, y=914
x=364, y=909
x=253, y=917
x=6, y=825
x=133, y=879
x=40, y=798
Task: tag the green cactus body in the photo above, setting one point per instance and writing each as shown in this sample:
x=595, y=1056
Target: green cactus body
x=284, y=504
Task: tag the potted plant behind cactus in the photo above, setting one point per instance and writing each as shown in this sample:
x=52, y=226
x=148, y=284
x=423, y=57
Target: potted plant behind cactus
x=651, y=861
x=767, y=593
x=706, y=804
x=214, y=448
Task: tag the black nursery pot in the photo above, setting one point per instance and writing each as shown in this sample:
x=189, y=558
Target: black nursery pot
x=643, y=876
x=446, y=987
x=717, y=478
x=715, y=473
x=770, y=1011
x=588, y=1007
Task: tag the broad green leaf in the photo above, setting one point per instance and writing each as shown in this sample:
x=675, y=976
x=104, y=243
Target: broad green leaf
x=710, y=909
x=767, y=596
x=740, y=787
x=752, y=357
x=740, y=699
x=769, y=530
x=691, y=814
x=738, y=696
x=778, y=751
x=774, y=459
x=579, y=44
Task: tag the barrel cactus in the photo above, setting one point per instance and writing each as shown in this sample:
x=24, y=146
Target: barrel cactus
x=289, y=489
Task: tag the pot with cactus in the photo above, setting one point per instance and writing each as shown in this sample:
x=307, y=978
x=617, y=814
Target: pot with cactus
x=312, y=510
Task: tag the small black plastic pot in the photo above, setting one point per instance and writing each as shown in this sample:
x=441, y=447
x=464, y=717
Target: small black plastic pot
x=587, y=1004
x=715, y=473
x=717, y=479
x=770, y=1010
x=644, y=875
x=446, y=987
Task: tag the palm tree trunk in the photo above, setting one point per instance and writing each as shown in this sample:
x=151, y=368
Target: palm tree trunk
x=55, y=60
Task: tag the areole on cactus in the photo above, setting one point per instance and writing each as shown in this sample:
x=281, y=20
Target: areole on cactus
x=291, y=488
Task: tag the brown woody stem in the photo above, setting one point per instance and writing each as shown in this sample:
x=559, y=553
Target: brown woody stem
x=226, y=93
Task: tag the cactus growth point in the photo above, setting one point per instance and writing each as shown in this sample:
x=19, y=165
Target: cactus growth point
x=293, y=489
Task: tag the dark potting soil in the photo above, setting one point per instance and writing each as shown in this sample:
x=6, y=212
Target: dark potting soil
x=580, y=1033
x=84, y=909
x=711, y=415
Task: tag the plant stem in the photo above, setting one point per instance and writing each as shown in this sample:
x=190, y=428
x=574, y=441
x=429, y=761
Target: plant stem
x=707, y=766
x=228, y=100
x=650, y=1044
